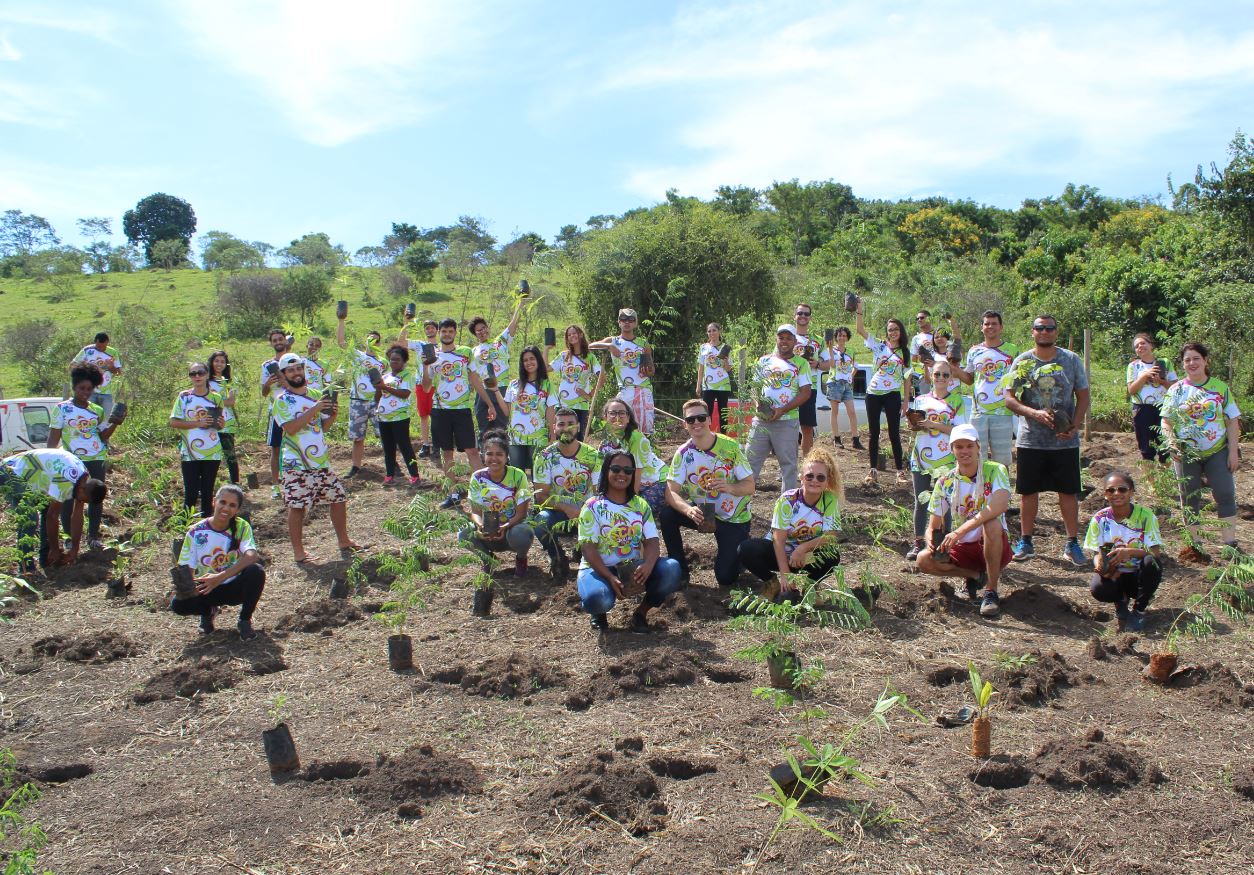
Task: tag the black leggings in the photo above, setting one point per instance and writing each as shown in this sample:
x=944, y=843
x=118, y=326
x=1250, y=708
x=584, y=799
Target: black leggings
x=228, y=453
x=890, y=406
x=719, y=397
x=1138, y=585
x=96, y=469
x=758, y=556
x=244, y=590
x=199, y=478
x=395, y=436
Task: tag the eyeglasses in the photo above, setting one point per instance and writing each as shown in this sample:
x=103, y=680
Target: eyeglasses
x=1039, y=327
x=815, y=478
x=802, y=313
x=615, y=413
x=622, y=469
x=942, y=374
x=696, y=417
x=197, y=373
x=919, y=318
x=1111, y=490
x=626, y=318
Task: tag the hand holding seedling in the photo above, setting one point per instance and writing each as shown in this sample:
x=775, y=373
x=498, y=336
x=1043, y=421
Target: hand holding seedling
x=208, y=583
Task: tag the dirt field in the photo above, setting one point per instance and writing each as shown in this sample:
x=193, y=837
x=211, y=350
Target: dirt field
x=519, y=745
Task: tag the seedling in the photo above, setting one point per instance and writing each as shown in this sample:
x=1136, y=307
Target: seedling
x=982, y=727
x=1227, y=597
x=276, y=709
x=21, y=837
x=1009, y=661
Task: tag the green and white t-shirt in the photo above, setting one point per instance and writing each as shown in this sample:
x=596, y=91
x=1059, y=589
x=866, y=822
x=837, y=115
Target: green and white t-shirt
x=716, y=377
x=80, y=429
x=652, y=468
x=955, y=493
x=921, y=341
x=570, y=480
x=988, y=365
x=574, y=374
x=391, y=408
x=627, y=365
x=208, y=551
x=1139, y=531
x=223, y=387
x=48, y=471
x=804, y=522
x=890, y=367
x=782, y=381
x=450, y=379
x=1149, y=393
x=505, y=497
x=315, y=375
x=307, y=449
x=1199, y=414
x=693, y=468
x=528, y=403
x=617, y=531
x=842, y=367
x=197, y=444
x=931, y=451
x=363, y=389
x=495, y=353
x=91, y=355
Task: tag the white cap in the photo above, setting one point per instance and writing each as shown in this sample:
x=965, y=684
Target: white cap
x=786, y=327
x=290, y=360
x=963, y=433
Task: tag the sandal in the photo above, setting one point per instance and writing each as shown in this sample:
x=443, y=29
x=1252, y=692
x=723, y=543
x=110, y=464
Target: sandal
x=871, y=478
x=902, y=476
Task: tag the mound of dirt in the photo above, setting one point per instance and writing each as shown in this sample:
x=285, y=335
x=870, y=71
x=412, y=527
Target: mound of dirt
x=334, y=770
x=400, y=783
x=643, y=670
x=94, y=648
x=324, y=614
x=1072, y=764
x=185, y=681
x=262, y=654
x=1033, y=683
x=695, y=603
x=1217, y=684
x=1243, y=782
x=613, y=786
x=508, y=677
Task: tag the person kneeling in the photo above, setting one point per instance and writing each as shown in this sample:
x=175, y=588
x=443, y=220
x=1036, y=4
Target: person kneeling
x=1126, y=547
x=224, y=566
x=618, y=535
x=500, y=497
x=565, y=472
x=978, y=549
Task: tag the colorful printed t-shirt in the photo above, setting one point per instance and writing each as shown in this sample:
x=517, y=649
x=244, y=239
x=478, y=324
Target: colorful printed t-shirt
x=1149, y=393
x=1139, y=531
x=922, y=340
x=570, y=480
x=527, y=423
x=208, y=551
x=715, y=377
x=955, y=493
x=450, y=379
x=574, y=374
x=1199, y=414
x=80, y=429
x=222, y=387
x=315, y=375
x=363, y=389
x=48, y=471
x=652, y=468
x=803, y=522
x=890, y=367
x=307, y=449
x=987, y=366
x=842, y=367
x=495, y=353
x=391, y=408
x=505, y=497
x=692, y=469
x=618, y=531
x=94, y=356
x=782, y=381
x=197, y=444
x=627, y=365
x=931, y=450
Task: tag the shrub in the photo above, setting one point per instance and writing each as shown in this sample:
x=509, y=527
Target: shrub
x=42, y=352
x=251, y=303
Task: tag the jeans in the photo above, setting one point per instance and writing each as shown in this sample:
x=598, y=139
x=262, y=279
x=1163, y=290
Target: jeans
x=997, y=436
x=890, y=406
x=243, y=590
x=1139, y=585
x=1223, y=486
x=395, y=436
x=548, y=527
x=517, y=540
x=779, y=437
x=96, y=469
x=727, y=535
x=199, y=478
x=758, y=555
x=521, y=456
x=105, y=400
x=228, y=453
x=597, y=596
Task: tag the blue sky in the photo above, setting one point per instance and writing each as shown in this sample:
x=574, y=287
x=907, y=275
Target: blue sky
x=278, y=118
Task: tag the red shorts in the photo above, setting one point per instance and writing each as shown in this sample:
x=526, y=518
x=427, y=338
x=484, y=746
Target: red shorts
x=971, y=554
x=423, y=400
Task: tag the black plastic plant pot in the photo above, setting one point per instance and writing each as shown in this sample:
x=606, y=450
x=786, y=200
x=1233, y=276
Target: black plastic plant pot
x=375, y=376
x=339, y=588
x=792, y=785
x=524, y=289
x=829, y=336
x=253, y=482
x=783, y=668
x=491, y=523
x=646, y=358
x=214, y=413
x=272, y=368
x=1062, y=421
x=341, y=309
x=280, y=752
x=119, y=412
x=184, y=585
x=709, y=514
x=851, y=302
x=725, y=350
x=176, y=547
x=400, y=652
x=481, y=606
x=428, y=353
x=411, y=310
x=765, y=408
x=550, y=337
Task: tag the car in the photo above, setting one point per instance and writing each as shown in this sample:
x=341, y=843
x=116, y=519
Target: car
x=25, y=423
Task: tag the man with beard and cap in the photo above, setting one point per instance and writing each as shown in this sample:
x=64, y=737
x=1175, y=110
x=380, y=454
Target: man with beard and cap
x=565, y=474
x=785, y=383
x=271, y=384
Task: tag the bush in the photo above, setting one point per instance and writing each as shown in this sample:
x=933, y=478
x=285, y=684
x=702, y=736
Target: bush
x=251, y=303
x=42, y=352
x=304, y=290
x=398, y=283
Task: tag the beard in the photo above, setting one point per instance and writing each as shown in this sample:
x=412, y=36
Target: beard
x=296, y=382
x=566, y=437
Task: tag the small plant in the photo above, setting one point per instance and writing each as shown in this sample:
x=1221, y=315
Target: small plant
x=21, y=838
x=276, y=709
x=982, y=726
x=1010, y=661
x=10, y=586
x=1227, y=596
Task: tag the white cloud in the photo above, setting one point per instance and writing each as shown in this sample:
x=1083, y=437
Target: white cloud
x=7, y=50
x=84, y=20
x=63, y=193
x=340, y=71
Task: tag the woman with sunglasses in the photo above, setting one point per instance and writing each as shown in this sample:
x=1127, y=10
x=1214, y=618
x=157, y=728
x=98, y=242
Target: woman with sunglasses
x=714, y=375
x=529, y=403
x=500, y=498
x=199, y=445
x=623, y=434
x=392, y=405
x=616, y=526
x=1124, y=540
x=887, y=392
x=931, y=417
x=804, y=526
x=220, y=382
x=579, y=375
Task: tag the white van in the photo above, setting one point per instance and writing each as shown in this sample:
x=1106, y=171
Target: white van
x=25, y=423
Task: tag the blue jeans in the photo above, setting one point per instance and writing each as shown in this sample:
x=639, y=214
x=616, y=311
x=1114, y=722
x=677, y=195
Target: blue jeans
x=597, y=595
x=545, y=522
x=105, y=400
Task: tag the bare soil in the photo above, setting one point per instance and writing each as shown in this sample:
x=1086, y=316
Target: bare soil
x=521, y=744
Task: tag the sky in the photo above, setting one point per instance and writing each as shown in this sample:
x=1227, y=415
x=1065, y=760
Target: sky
x=275, y=118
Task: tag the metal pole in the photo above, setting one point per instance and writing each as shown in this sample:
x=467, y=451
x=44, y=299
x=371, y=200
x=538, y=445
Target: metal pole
x=1088, y=374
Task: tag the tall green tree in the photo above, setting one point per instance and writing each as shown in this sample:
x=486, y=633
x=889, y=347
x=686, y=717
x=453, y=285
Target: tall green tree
x=159, y=217
x=314, y=250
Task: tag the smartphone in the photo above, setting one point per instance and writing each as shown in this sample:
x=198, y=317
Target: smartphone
x=335, y=397
x=550, y=337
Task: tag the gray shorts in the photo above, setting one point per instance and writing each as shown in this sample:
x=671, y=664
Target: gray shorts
x=839, y=390
x=359, y=412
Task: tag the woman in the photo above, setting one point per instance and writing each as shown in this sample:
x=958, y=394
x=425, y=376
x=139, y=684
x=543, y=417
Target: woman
x=225, y=567
x=1126, y=546
x=500, y=497
x=714, y=375
x=622, y=433
x=839, y=389
x=1199, y=422
x=392, y=396
x=529, y=403
x=220, y=382
x=200, y=447
x=315, y=373
x=616, y=526
x=576, y=370
x=1148, y=379
x=888, y=391
x=804, y=526
x=931, y=417
x=79, y=427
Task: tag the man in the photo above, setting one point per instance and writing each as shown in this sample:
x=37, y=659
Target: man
x=490, y=358
x=785, y=385
x=455, y=385
x=708, y=472
x=632, y=360
x=37, y=483
x=362, y=408
x=422, y=397
x=304, y=417
x=808, y=350
x=271, y=384
x=985, y=365
x=1050, y=390
x=105, y=357
x=315, y=373
x=922, y=346
x=977, y=493
x=565, y=472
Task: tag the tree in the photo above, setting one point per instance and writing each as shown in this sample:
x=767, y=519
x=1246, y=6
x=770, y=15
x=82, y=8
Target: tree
x=420, y=260
x=739, y=200
x=95, y=227
x=251, y=303
x=1229, y=193
x=373, y=256
x=938, y=229
x=811, y=212
x=305, y=289
x=170, y=254
x=40, y=348
x=159, y=217
x=23, y=233
x=314, y=250
x=567, y=238
x=402, y=235
x=222, y=251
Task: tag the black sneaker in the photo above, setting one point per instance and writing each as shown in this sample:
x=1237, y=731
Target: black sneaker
x=836, y=440
x=246, y=630
x=857, y=444
x=974, y=585
x=454, y=498
x=424, y=452
x=640, y=623
x=206, y=621
x=600, y=623
x=352, y=472
x=990, y=606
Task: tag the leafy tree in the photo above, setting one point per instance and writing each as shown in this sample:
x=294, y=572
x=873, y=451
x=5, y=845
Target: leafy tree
x=1127, y=230
x=938, y=229
x=402, y=235
x=159, y=217
x=222, y=251
x=599, y=223
x=373, y=256
x=314, y=250
x=739, y=200
x=23, y=233
x=1229, y=193
x=810, y=212
x=95, y=227
x=567, y=238
x=40, y=348
x=420, y=259
x=305, y=289
x=1220, y=315
x=170, y=254
x=122, y=259
x=252, y=303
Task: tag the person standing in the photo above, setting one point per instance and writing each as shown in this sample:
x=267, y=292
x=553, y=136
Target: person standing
x=106, y=358
x=1148, y=379
x=37, y=484
x=840, y=367
x=808, y=351
x=490, y=360
x=362, y=408
x=423, y=398
x=985, y=366
x=455, y=385
x=1049, y=389
x=565, y=475
x=633, y=363
x=1126, y=546
x=931, y=417
x=887, y=392
x=922, y=352
x=197, y=417
x=576, y=370
x=315, y=374
x=529, y=403
x=220, y=382
x=393, y=393
x=271, y=384
x=714, y=375
x=785, y=383
x=79, y=426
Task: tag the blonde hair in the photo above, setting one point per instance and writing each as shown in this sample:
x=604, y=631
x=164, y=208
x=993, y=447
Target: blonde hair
x=822, y=457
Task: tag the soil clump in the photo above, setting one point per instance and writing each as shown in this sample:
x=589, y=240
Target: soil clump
x=643, y=670
x=93, y=648
x=401, y=783
x=319, y=616
x=185, y=681
x=507, y=676
x=615, y=786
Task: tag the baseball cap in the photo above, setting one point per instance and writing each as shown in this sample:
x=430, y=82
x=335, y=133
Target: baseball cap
x=627, y=313
x=289, y=360
x=964, y=433
x=791, y=329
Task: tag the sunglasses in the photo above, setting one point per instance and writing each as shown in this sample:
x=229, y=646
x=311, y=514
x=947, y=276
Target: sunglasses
x=696, y=417
x=197, y=373
x=919, y=318
x=615, y=413
x=942, y=374
x=802, y=313
x=816, y=478
x=626, y=318
x=1044, y=327
x=1112, y=490
x=622, y=469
